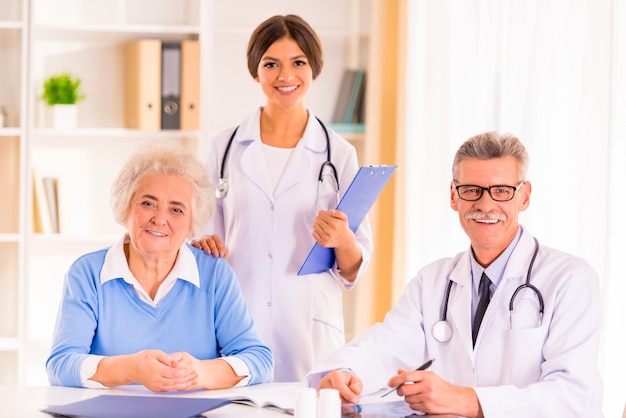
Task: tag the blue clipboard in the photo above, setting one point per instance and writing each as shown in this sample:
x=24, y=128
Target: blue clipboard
x=355, y=203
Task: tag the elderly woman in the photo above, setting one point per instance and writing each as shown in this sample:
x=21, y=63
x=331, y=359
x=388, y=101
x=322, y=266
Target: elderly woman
x=152, y=309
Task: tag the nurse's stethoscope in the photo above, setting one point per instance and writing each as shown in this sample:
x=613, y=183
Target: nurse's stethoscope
x=222, y=187
x=442, y=330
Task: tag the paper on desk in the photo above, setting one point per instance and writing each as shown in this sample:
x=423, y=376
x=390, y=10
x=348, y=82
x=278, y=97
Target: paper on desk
x=355, y=203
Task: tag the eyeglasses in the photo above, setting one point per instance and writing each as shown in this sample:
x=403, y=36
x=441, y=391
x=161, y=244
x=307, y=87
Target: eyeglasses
x=499, y=193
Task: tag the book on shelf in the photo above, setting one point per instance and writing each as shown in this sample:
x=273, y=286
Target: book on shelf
x=350, y=103
x=50, y=185
x=9, y=184
x=45, y=204
x=41, y=213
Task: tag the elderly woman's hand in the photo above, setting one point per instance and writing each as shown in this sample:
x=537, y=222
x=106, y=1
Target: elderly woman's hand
x=211, y=244
x=212, y=374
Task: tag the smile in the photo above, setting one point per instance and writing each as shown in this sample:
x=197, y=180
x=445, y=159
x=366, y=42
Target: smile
x=156, y=234
x=286, y=89
x=486, y=221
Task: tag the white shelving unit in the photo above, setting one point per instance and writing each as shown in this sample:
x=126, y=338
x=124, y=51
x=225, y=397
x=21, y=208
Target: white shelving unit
x=42, y=37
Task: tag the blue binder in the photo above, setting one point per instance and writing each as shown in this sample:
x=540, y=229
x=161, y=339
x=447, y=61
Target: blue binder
x=355, y=203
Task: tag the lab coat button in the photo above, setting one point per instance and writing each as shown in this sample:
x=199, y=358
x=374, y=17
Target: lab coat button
x=270, y=256
x=269, y=304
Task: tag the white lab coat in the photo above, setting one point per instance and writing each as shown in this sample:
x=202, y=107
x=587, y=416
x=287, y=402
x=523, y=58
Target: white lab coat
x=528, y=371
x=269, y=234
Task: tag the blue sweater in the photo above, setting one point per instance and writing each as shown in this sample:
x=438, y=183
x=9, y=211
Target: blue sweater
x=110, y=319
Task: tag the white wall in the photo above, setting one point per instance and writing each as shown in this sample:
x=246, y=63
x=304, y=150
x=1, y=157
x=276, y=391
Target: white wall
x=552, y=73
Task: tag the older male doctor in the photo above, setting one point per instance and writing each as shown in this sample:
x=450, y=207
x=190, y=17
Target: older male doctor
x=513, y=325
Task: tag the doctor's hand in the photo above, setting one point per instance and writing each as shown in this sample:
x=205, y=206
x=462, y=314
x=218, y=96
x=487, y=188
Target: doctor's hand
x=212, y=245
x=427, y=392
x=348, y=385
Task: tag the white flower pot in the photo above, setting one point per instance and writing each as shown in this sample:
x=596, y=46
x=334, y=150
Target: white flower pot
x=64, y=116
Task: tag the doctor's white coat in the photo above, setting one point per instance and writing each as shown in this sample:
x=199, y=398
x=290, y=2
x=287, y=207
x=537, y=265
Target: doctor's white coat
x=269, y=234
x=525, y=369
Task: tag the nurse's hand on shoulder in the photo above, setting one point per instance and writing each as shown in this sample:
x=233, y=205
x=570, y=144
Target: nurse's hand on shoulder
x=425, y=391
x=348, y=385
x=331, y=230
x=212, y=245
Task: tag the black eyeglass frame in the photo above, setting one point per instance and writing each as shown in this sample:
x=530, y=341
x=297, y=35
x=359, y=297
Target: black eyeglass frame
x=488, y=189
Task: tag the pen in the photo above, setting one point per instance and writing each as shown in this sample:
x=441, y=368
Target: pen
x=422, y=367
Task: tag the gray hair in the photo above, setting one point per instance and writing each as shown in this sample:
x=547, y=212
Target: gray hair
x=490, y=145
x=164, y=158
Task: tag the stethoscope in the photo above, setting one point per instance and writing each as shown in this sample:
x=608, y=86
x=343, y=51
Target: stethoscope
x=442, y=330
x=222, y=186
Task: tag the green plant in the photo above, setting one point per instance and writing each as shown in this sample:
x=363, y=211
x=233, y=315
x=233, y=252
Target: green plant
x=62, y=88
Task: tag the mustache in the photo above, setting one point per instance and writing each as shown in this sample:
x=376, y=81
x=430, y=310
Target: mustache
x=479, y=214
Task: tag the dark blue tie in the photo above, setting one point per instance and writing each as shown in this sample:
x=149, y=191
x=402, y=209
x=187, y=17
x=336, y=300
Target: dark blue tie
x=482, y=305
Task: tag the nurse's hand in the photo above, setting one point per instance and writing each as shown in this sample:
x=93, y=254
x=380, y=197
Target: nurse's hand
x=427, y=392
x=331, y=229
x=348, y=385
x=212, y=245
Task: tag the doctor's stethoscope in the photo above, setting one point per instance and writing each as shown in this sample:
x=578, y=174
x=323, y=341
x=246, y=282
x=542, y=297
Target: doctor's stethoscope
x=222, y=187
x=442, y=330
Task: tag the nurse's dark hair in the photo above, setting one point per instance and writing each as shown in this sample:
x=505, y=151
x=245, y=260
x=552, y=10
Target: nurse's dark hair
x=170, y=159
x=490, y=145
x=279, y=27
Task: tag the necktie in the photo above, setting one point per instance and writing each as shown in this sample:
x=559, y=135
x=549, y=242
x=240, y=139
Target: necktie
x=482, y=305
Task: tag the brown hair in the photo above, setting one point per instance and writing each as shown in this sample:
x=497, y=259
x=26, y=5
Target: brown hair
x=279, y=27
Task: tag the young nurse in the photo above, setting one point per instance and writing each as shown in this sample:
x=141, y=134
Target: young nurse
x=276, y=192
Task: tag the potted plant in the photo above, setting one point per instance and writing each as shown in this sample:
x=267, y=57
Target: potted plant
x=62, y=92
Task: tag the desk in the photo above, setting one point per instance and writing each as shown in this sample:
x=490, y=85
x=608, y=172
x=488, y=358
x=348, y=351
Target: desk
x=27, y=401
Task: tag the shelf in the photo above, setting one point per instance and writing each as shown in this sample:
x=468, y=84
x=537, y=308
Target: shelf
x=71, y=239
x=113, y=133
x=10, y=132
x=348, y=128
x=124, y=32
x=9, y=237
x=9, y=344
x=11, y=24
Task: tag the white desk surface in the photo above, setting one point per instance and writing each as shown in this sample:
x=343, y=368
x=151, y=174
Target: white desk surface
x=27, y=401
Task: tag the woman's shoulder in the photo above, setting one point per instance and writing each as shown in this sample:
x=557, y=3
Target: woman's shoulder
x=93, y=258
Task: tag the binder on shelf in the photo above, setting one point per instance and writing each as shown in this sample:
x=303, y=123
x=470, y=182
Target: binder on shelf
x=142, y=84
x=190, y=86
x=41, y=212
x=170, y=85
x=355, y=203
x=343, y=98
x=357, y=94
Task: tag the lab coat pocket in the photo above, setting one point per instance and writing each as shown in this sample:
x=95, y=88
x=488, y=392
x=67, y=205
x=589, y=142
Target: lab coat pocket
x=327, y=318
x=522, y=365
